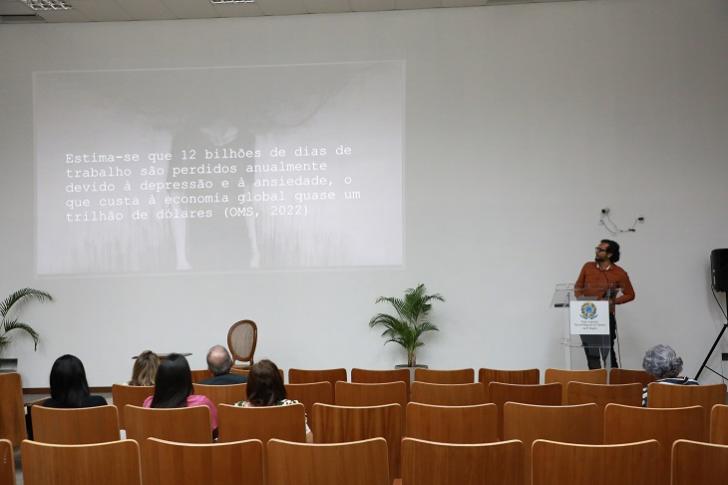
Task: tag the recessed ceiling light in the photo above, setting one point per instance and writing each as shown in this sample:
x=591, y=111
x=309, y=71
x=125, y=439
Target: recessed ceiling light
x=218, y=2
x=47, y=4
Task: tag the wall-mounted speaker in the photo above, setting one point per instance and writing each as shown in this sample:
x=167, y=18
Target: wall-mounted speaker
x=719, y=269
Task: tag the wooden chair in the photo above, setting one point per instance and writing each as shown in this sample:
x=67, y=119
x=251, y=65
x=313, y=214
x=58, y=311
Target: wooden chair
x=556, y=463
x=676, y=396
x=601, y=395
x=80, y=426
x=303, y=376
x=521, y=376
x=114, y=463
x=699, y=463
x=452, y=424
x=630, y=376
x=199, y=375
x=309, y=394
x=121, y=395
x=357, y=394
x=719, y=424
x=625, y=424
x=448, y=394
x=262, y=423
x=241, y=339
x=358, y=463
x=564, y=376
x=225, y=394
x=429, y=463
x=567, y=424
x=12, y=413
x=234, y=463
x=337, y=424
x=450, y=376
x=371, y=376
x=541, y=394
x=7, y=463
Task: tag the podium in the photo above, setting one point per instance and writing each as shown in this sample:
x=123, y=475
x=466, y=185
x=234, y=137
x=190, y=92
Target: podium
x=586, y=328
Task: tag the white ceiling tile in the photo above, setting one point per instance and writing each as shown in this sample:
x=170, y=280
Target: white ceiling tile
x=101, y=10
x=59, y=16
x=191, y=9
x=146, y=9
x=238, y=9
x=282, y=7
x=327, y=6
x=371, y=5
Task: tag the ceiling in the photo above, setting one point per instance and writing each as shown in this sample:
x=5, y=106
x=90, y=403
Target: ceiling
x=15, y=11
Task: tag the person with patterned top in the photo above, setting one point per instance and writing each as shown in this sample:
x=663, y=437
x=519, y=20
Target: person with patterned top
x=662, y=362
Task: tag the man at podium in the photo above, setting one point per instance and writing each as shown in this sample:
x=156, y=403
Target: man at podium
x=603, y=279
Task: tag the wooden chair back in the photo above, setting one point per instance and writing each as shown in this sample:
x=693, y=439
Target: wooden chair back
x=185, y=425
x=114, y=463
x=448, y=394
x=371, y=376
x=358, y=463
x=603, y=394
x=246, y=372
x=122, y=394
x=375, y=394
x=199, y=375
x=7, y=463
x=564, y=376
x=452, y=424
x=518, y=376
x=304, y=376
x=338, y=424
x=556, y=463
x=676, y=396
x=449, y=376
x=262, y=423
x=567, y=424
x=625, y=424
x=430, y=463
x=541, y=394
x=225, y=394
x=719, y=424
x=630, y=376
x=78, y=426
x=234, y=463
x=699, y=463
x=241, y=339
x=12, y=413
x=309, y=394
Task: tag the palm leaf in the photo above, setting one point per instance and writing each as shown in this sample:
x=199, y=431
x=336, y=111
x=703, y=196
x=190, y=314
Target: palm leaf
x=10, y=325
x=20, y=297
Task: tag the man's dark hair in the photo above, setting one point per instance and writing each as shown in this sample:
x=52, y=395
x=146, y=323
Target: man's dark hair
x=265, y=384
x=68, y=381
x=613, y=249
x=173, y=383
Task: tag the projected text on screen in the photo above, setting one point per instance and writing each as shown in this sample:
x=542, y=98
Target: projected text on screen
x=219, y=169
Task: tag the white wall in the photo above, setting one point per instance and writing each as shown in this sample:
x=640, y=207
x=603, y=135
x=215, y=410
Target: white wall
x=522, y=122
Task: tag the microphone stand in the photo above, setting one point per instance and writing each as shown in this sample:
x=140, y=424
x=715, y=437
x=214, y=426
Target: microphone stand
x=715, y=344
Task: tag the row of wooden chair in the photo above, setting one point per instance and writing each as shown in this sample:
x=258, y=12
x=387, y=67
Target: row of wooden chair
x=585, y=423
x=365, y=463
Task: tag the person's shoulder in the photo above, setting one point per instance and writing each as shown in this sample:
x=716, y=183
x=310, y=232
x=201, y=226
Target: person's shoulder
x=95, y=400
x=619, y=269
x=287, y=402
x=198, y=399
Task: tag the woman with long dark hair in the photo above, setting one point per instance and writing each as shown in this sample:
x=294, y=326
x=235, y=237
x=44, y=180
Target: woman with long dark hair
x=69, y=387
x=173, y=388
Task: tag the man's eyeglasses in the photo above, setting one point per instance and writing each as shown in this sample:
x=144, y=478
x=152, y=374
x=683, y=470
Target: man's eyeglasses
x=600, y=250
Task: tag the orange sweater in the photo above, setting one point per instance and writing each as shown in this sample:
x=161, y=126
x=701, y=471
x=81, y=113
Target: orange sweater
x=594, y=282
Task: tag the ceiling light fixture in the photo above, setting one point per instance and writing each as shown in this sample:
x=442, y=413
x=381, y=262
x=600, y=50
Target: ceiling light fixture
x=46, y=5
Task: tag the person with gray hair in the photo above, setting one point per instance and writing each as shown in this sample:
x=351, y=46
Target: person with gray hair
x=662, y=362
x=219, y=363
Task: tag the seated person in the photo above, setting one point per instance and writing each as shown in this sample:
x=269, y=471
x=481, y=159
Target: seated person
x=662, y=362
x=145, y=369
x=69, y=387
x=173, y=388
x=265, y=388
x=219, y=363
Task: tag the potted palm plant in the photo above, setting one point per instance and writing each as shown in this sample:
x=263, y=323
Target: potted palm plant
x=9, y=309
x=410, y=322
